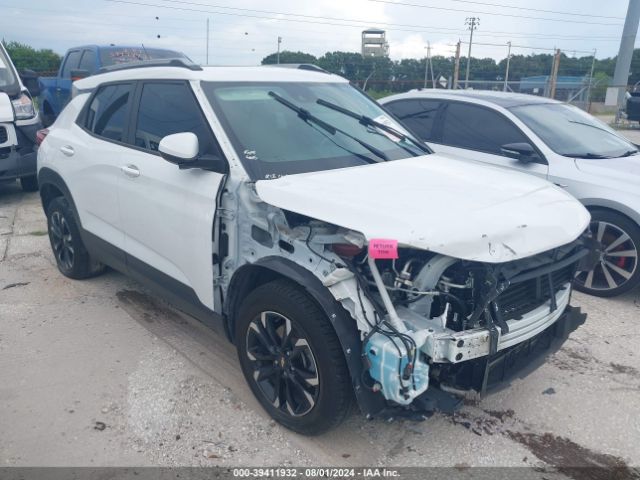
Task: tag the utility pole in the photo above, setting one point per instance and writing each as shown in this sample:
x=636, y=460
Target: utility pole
x=593, y=66
x=456, y=68
x=207, y=62
x=428, y=65
x=506, y=73
x=279, y=42
x=473, y=23
x=554, y=74
x=623, y=62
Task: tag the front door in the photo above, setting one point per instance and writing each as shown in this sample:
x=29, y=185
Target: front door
x=477, y=132
x=168, y=213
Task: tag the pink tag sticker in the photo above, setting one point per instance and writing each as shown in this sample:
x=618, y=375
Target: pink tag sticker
x=383, y=249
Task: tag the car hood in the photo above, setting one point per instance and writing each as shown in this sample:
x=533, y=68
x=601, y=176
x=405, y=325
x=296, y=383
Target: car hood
x=457, y=208
x=6, y=109
x=624, y=169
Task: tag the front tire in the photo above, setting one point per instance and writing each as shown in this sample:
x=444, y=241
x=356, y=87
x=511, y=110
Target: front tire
x=70, y=253
x=617, y=271
x=292, y=359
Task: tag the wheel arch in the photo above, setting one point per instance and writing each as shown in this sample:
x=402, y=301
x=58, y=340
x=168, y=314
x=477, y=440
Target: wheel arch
x=613, y=207
x=53, y=186
x=249, y=277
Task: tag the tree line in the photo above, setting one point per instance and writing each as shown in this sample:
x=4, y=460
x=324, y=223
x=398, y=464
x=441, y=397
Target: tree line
x=25, y=57
x=384, y=74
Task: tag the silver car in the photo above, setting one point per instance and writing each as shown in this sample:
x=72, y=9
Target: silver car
x=552, y=140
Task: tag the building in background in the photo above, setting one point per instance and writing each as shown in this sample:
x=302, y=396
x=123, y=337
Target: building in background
x=568, y=88
x=374, y=43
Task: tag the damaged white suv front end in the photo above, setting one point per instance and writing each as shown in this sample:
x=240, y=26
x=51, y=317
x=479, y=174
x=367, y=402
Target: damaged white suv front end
x=339, y=254
x=436, y=285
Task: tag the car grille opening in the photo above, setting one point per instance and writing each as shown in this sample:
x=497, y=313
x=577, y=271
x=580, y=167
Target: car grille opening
x=521, y=298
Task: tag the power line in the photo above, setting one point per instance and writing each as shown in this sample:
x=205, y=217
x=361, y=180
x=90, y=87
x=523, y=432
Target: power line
x=443, y=29
x=449, y=9
x=502, y=5
x=361, y=23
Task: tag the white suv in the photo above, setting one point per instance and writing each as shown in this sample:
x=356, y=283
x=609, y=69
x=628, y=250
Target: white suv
x=336, y=251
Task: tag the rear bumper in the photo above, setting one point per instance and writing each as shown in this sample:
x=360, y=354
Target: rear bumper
x=18, y=156
x=516, y=361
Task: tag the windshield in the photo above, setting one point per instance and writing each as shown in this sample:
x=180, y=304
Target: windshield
x=116, y=56
x=279, y=128
x=8, y=79
x=569, y=131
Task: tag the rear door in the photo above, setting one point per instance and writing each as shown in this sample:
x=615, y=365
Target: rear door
x=91, y=152
x=88, y=62
x=63, y=83
x=477, y=132
x=168, y=213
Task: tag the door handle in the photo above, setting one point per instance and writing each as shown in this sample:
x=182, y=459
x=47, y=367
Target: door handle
x=130, y=171
x=67, y=150
x=561, y=185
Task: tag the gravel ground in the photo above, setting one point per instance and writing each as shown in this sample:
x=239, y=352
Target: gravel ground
x=103, y=373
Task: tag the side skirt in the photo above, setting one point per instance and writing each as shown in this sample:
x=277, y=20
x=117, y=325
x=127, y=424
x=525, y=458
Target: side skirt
x=178, y=294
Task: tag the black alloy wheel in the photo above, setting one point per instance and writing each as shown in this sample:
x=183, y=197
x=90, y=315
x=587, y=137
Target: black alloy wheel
x=292, y=358
x=71, y=256
x=61, y=241
x=284, y=367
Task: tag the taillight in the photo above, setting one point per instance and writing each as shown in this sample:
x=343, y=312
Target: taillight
x=41, y=135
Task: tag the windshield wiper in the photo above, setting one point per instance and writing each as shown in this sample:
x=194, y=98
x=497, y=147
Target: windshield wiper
x=628, y=153
x=370, y=122
x=307, y=116
x=590, y=125
x=585, y=155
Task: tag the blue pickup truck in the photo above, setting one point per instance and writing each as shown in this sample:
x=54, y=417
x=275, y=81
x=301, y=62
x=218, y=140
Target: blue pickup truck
x=81, y=62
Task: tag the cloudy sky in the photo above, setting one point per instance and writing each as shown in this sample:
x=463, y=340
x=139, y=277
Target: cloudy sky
x=244, y=31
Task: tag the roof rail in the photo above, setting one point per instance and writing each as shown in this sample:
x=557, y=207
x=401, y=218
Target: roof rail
x=161, y=62
x=300, y=66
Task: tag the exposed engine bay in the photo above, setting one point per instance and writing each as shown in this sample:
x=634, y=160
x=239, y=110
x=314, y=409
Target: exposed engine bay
x=422, y=317
x=423, y=310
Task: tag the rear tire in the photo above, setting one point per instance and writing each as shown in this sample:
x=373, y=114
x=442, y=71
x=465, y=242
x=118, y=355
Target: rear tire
x=617, y=271
x=292, y=359
x=29, y=184
x=72, y=257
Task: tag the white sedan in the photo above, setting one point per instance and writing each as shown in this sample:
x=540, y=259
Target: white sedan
x=552, y=140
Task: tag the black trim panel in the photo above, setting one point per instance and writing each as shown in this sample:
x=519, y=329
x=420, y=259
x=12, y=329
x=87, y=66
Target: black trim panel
x=178, y=294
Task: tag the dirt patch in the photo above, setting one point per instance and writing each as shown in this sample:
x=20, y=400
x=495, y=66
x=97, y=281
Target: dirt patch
x=478, y=425
x=573, y=460
x=501, y=415
x=624, y=369
x=146, y=307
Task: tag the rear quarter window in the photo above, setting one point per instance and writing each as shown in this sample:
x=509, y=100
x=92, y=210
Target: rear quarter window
x=107, y=113
x=418, y=115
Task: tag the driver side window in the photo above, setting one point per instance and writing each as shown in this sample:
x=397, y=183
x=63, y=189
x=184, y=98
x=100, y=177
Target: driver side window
x=167, y=108
x=475, y=127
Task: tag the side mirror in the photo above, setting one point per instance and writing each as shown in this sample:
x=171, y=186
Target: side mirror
x=182, y=149
x=79, y=74
x=179, y=148
x=520, y=151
